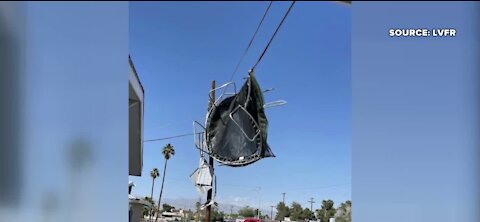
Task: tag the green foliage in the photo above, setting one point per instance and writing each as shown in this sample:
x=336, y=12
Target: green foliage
x=296, y=212
x=307, y=214
x=198, y=213
x=327, y=211
x=344, y=212
x=148, y=199
x=145, y=211
x=282, y=211
x=234, y=215
x=168, y=151
x=299, y=214
x=246, y=212
x=217, y=215
x=154, y=173
x=190, y=215
x=167, y=207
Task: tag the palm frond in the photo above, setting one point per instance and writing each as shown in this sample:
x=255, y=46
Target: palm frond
x=168, y=151
x=154, y=173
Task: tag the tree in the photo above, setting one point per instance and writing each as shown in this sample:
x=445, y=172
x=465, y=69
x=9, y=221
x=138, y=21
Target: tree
x=167, y=152
x=307, y=214
x=149, y=200
x=146, y=211
x=246, y=212
x=217, y=215
x=150, y=208
x=190, y=215
x=154, y=174
x=167, y=207
x=234, y=215
x=296, y=212
x=198, y=213
x=344, y=212
x=282, y=211
x=327, y=211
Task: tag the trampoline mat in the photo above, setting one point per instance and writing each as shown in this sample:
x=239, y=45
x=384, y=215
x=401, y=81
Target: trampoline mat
x=236, y=129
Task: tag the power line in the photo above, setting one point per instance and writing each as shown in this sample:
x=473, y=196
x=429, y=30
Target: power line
x=273, y=36
x=168, y=125
x=241, y=59
x=170, y=137
x=251, y=41
x=233, y=73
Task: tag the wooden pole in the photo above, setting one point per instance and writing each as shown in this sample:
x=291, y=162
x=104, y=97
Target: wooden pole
x=208, y=210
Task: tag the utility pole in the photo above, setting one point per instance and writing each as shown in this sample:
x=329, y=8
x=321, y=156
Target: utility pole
x=311, y=204
x=271, y=212
x=283, y=198
x=210, y=158
x=259, y=200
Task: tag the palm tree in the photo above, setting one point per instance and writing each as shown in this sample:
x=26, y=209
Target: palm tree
x=167, y=152
x=154, y=174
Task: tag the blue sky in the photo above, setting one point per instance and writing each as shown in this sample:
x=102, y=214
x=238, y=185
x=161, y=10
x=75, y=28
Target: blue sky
x=179, y=47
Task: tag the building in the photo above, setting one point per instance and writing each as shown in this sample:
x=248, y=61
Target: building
x=135, y=139
x=135, y=121
x=174, y=215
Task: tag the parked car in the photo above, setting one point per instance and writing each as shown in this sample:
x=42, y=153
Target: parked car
x=252, y=220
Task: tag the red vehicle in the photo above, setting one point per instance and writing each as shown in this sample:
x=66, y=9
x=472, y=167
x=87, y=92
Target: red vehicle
x=252, y=220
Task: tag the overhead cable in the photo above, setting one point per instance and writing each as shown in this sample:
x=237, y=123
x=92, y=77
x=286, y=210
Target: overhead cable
x=273, y=36
x=251, y=41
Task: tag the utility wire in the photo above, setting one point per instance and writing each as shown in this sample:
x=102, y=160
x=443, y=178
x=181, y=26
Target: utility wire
x=273, y=36
x=168, y=125
x=246, y=50
x=170, y=137
x=251, y=41
x=233, y=73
